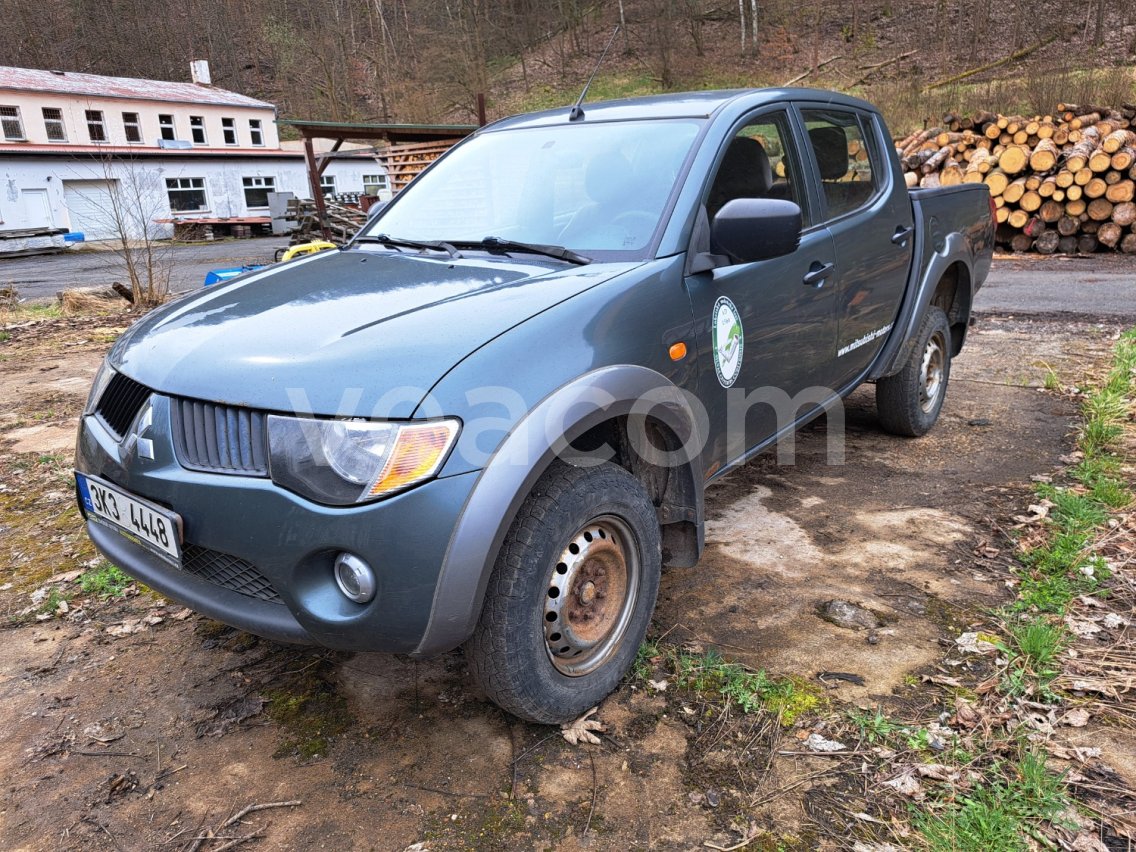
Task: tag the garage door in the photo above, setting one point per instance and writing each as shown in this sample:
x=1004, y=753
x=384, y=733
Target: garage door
x=89, y=205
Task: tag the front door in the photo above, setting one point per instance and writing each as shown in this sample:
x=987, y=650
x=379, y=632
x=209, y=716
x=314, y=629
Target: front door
x=765, y=330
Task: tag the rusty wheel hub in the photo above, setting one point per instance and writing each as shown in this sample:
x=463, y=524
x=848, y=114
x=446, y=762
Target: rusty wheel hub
x=591, y=596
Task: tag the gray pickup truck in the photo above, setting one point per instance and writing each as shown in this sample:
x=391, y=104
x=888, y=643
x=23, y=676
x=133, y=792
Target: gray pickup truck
x=490, y=420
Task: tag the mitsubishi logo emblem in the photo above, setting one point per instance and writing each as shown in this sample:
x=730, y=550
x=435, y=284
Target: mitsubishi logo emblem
x=137, y=439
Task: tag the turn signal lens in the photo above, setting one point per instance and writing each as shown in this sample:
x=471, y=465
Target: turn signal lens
x=418, y=453
x=678, y=351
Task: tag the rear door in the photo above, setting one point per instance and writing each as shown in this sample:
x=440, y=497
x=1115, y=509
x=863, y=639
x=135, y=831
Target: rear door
x=765, y=330
x=869, y=215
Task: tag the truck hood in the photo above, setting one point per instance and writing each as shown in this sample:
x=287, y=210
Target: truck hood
x=362, y=333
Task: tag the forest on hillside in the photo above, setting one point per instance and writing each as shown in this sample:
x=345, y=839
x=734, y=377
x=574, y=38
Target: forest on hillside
x=423, y=60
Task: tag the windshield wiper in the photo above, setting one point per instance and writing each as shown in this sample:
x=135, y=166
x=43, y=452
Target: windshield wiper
x=500, y=244
x=399, y=242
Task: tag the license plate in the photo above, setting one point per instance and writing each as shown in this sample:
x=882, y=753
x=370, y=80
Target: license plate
x=153, y=527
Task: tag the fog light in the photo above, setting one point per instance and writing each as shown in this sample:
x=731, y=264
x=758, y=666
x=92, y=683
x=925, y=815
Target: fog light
x=354, y=577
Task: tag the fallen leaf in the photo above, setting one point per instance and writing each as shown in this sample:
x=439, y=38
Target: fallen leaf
x=581, y=730
x=965, y=714
x=936, y=772
x=659, y=685
x=1079, y=753
x=1076, y=718
x=815, y=742
x=907, y=784
x=1081, y=627
x=969, y=643
x=1087, y=842
x=105, y=732
x=1037, y=512
x=942, y=680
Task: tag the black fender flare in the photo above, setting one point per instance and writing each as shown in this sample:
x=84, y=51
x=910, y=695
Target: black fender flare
x=522, y=458
x=893, y=356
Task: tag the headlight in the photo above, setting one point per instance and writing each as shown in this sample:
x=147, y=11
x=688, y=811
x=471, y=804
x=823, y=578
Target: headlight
x=342, y=462
x=102, y=379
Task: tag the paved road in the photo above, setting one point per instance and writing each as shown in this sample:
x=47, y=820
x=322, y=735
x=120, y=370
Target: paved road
x=1101, y=285
x=42, y=276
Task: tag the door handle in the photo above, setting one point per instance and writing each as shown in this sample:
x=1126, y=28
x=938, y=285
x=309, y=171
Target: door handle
x=901, y=234
x=817, y=273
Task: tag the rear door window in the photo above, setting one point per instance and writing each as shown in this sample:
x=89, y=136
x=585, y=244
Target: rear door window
x=844, y=158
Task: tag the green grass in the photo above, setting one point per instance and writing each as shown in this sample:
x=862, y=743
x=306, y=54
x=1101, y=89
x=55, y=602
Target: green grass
x=644, y=665
x=1002, y=814
x=1052, y=382
x=874, y=727
x=53, y=600
x=5, y=336
x=104, y=581
x=1032, y=650
x=713, y=677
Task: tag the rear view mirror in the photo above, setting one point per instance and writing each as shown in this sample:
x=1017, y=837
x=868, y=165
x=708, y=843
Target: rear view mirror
x=751, y=229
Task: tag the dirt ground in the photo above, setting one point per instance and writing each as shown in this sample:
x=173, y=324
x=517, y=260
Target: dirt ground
x=132, y=724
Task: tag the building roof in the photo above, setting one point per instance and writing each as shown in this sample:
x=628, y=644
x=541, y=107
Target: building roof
x=393, y=133
x=100, y=86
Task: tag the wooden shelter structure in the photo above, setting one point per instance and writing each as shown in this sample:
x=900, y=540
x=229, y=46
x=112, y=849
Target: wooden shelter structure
x=408, y=149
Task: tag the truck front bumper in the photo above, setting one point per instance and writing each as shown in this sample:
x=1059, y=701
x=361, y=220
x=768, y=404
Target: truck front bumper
x=260, y=558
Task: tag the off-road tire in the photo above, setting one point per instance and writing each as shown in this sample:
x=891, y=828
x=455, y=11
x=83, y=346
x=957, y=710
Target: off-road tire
x=903, y=401
x=509, y=654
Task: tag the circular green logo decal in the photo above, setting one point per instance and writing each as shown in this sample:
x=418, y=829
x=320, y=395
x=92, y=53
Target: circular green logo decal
x=727, y=343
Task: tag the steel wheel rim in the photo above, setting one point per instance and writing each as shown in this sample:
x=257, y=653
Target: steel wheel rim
x=590, y=596
x=931, y=372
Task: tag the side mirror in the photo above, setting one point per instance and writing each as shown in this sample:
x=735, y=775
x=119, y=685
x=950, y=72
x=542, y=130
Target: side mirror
x=751, y=229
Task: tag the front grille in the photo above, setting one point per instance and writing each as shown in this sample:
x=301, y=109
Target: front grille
x=227, y=571
x=219, y=438
x=120, y=403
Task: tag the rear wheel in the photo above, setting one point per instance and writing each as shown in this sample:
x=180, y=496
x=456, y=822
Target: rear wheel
x=571, y=594
x=909, y=402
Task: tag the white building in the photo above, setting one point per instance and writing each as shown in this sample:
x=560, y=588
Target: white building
x=89, y=154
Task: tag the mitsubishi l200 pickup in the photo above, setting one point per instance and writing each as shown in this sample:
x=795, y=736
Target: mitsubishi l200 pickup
x=489, y=420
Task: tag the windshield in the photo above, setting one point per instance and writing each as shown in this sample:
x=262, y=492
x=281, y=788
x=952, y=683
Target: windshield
x=589, y=187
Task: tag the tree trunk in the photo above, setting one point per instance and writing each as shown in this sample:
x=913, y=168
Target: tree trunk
x=1020, y=243
x=1124, y=214
x=1109, y=234
x=1121, y=191
x=1046, y=242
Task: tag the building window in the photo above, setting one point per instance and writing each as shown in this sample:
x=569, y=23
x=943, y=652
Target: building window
x=186, y=194
x=166, y=124
x=10, y=120
x=96, y=127
x=256, y=132
x=132, y=126
x=197, y=129
x=53, y=124
x=374, y=184
x=327, y=184
x=229, y=130
x=257, y=189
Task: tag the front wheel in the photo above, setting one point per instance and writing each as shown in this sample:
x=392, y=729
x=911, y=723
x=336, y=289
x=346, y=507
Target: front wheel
x=571, y=594
x=909, y=402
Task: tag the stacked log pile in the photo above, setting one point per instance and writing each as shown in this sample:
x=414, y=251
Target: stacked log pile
x=404, y=162
x=1061, y=183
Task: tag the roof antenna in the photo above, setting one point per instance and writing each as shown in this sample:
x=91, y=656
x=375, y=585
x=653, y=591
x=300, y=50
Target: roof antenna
x=578, y=111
